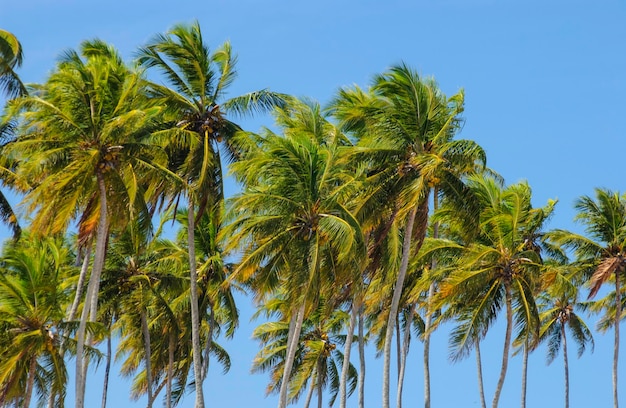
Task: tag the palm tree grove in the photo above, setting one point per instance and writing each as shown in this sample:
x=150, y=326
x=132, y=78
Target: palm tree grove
x=359, y=228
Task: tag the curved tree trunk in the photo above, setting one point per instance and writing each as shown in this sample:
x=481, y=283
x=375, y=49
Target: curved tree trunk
x=91, y=299
x=395, y=303
x=346, y=355
x=80, y=287
x=193, y=298
x=507, y=345
x=292, y=343
x=107, y=370
x=479, y=368
x=618, y=317
x=565, y=364
x=361, y=360
x=309, y=395
x=428, y=321
x=209, y=344
x=170, y=369
x=147, y=350
x=320, y=383
x=524, y=373
x=406, y=341
x=28, y=393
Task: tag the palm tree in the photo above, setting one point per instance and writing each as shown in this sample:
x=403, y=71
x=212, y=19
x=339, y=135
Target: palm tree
x=81, y=143
x=600, y=255
x=197, y=81
x=558, y=306
x=499, y=269
x=31, y=316
x=290, y=218
x=406, y=128
x=11, y=56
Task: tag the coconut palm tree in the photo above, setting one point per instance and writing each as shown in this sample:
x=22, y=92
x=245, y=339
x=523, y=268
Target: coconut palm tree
x=600, y=254
x=32, y=318
x=196, y=83
x=500, y=269
x=406, y=128
x=558, y=306
x=81, y=143
x=295, y=230
x=11, y=57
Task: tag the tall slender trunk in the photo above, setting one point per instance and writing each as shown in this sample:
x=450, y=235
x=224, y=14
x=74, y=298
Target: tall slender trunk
x=361, y=379
x=320, y=383
x=91, y=299
x=618, y=317
x=107, y=369
x=398, y=344
x=309, y=394
x=170, y=369
x=507, y=345
x=346, y=355
x=405, y=351
x=209, y=343
x=80, y=287
x=28, y=393
x=147, y=350
x=193, y=298
x=428, y=321
x=292, y=344
x=565, y=364
x=479, y=368
x=395, y=303
x=524, y=373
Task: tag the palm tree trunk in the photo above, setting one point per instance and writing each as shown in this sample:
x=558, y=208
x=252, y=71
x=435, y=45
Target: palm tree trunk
x=405, y=351
x=398, y=345
x=91, y=299
x=395, y=303
x=193, y=297
x=209, y=343
x=346, y=355
x=170, y=369
x=429, y=319
x=309, y=395
x=320, y=383
x=618, y=317
x=31, y=382
x=524, y=373
x=81, y=284
x=146, y=344
x=291, y=354
x=565, y=364
x=107, y=370
x=479, y=368
x=507, y=345
x=361, y=360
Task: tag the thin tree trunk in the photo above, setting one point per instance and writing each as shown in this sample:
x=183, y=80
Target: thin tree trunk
x=398, y=345
x=429, y=319
x=147, y=350
x=31, y=381
x=91, y=299
x=361, y=360
x=524, y=373
x=565, y=364
x=81, y=284
x=479, y=368
x=291, y=353
x=618, y=317
x=395, y=303
x=507, y=345
x=320, y=383
x=193, y=297
x=309, y=394
x=107, y=371
x=346, y=355
x=209, y=344
x=170, y=369
x=405, y=351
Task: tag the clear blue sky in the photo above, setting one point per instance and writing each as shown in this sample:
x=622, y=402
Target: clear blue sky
x=544, y=83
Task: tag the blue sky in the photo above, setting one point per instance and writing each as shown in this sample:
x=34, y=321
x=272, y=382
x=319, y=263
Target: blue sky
x=544, y=88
